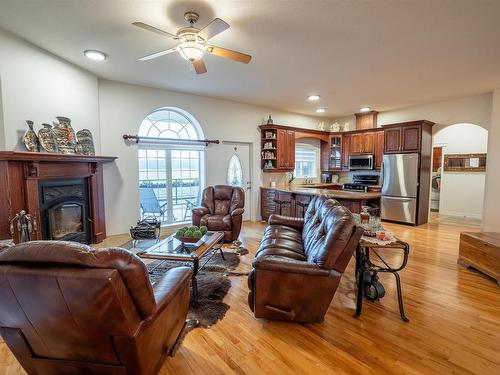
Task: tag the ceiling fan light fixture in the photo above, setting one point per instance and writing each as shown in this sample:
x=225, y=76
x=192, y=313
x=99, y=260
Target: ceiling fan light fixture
x=191, y=51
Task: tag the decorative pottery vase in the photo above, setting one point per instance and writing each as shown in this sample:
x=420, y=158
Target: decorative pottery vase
x=65, y=135
x=30, y=138
x=47, y=138
x=85, y=144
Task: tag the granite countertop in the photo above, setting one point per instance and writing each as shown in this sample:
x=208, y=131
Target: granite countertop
x=337, y=194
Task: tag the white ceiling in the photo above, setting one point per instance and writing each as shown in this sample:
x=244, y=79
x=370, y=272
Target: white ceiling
x=382, y=53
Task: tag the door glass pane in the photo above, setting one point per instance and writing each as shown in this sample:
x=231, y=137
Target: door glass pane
x=235, y=172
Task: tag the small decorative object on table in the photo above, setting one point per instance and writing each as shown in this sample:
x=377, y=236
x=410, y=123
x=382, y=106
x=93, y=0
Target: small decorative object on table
x=191, y=234
x=146, y=229
x=85, y=144
x=47, y=138
x=65, y=135
x=26, y=225
x=30, y=138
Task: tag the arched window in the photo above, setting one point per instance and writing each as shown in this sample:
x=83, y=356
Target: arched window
x=235, y=172
x=170, y=171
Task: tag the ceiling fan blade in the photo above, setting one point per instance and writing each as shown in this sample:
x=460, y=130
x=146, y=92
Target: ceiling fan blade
x=157, y=54
x=229, y=54
x=213, y=28
x=156, y=30
x=199, y=66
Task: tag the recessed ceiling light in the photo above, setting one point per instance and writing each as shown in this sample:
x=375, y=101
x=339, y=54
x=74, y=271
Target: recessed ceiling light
x=313, y=97
x=320, y=110
x=95, y=55
x=365, y=109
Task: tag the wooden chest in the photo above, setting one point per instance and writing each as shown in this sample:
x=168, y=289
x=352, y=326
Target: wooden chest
x=481, y=251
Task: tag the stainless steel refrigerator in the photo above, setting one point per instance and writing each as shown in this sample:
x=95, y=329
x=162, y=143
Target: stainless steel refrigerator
x=400, y=179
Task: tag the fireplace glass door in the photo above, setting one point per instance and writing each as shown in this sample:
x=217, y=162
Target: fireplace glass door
x=66, y=221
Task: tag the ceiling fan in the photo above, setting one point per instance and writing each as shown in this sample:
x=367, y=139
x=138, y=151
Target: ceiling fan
x=193, y=41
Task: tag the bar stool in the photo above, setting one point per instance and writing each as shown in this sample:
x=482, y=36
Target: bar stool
x=281, y=203
x=301, y=205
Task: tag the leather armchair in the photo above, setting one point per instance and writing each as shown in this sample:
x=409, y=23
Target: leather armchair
x=300, y=262
x=66, y=308
x=221, y=209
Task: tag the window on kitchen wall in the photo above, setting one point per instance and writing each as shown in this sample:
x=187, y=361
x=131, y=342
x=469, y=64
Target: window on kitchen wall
x=306, y=160
x=171, y=173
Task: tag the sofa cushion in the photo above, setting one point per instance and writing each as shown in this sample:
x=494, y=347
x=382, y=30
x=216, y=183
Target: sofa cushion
x=281, y=232
x=216, y=222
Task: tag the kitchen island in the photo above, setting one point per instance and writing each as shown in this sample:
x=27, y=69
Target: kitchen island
x=293, y=200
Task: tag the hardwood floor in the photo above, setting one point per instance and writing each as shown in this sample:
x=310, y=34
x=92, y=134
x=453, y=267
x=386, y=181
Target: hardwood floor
x=454, y=322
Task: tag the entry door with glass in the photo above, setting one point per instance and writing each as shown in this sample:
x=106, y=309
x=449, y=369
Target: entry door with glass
x=229, y=164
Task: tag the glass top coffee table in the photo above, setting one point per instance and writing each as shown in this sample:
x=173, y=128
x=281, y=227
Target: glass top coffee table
x=171, y=249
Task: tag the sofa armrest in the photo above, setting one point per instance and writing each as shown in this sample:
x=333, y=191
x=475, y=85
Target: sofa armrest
x=165, y=289
x=200, y=211
x=237, y=212
x=293, y=222
x=282, y=264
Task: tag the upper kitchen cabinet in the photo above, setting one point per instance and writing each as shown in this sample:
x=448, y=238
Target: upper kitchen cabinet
x=407, y=137
x=362, y=143
x=379, y=149
x=346, y=146
x=366, y=120
x=277, y=149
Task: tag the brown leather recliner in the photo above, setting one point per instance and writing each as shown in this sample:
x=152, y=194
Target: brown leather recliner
x=221, y=210
x=66, y=308
x=298, y=266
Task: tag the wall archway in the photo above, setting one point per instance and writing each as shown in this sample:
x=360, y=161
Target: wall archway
x=461, y=193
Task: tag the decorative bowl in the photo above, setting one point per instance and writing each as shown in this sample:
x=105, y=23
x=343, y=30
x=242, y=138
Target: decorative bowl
x=188, y=239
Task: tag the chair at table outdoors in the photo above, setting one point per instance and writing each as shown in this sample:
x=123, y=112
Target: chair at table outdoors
x=150, y=203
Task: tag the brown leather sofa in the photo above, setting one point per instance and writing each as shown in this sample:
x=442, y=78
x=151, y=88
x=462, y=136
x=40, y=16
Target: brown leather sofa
x=298, y=266
x=221, y=210
x=66, y=308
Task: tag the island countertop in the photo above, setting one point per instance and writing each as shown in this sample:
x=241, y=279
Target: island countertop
x=336, y=194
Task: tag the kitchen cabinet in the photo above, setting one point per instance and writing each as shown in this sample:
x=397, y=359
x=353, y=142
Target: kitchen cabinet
x=277, y=149
x=402, y=138
x=285, y=149
x=362, y=143
x=267, y=204
x=335, y=163
x=366, y=120
x=379, y=150
x=346, y=147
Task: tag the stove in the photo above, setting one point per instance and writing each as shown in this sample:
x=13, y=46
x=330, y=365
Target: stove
x=361, y=182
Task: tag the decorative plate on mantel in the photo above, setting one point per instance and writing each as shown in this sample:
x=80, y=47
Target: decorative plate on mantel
x=47, y=138
x=85, y=144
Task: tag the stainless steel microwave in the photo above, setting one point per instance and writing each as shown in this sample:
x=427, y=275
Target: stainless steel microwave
x=360, y=162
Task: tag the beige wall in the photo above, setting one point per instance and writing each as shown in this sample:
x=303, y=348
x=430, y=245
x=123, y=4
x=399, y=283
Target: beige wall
x=36, y=85
x=124, y=106
x=491, y=217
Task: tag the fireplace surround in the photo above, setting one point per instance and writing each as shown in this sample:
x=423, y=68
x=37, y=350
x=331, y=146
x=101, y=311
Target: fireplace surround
x=25, y=176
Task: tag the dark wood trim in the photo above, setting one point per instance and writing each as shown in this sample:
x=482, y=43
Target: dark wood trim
x=408, y=123
x=44, y=156
x=21, y=172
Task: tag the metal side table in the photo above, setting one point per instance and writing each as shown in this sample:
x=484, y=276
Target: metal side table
x=367, y=272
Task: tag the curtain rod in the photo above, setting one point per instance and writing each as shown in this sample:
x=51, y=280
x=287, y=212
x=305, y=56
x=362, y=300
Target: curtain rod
x=138, y=139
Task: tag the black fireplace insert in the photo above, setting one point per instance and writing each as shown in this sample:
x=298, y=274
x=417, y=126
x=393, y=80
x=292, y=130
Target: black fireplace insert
x=64, y=210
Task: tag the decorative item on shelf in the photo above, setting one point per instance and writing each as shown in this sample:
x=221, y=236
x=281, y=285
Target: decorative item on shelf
x=146, y=229
x=269, y=155
x=65, y=135
x=25, y=224
x=47, y=139
x=85, y=144
x=268, y=145
x=335, y=127
x=268, y=165
x=321, y=125
x=345, y=127
x=269, y=120
x=30, y=138
x=270, y=135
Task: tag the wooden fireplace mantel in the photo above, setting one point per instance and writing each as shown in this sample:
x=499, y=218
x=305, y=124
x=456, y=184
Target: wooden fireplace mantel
x=20, y=173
